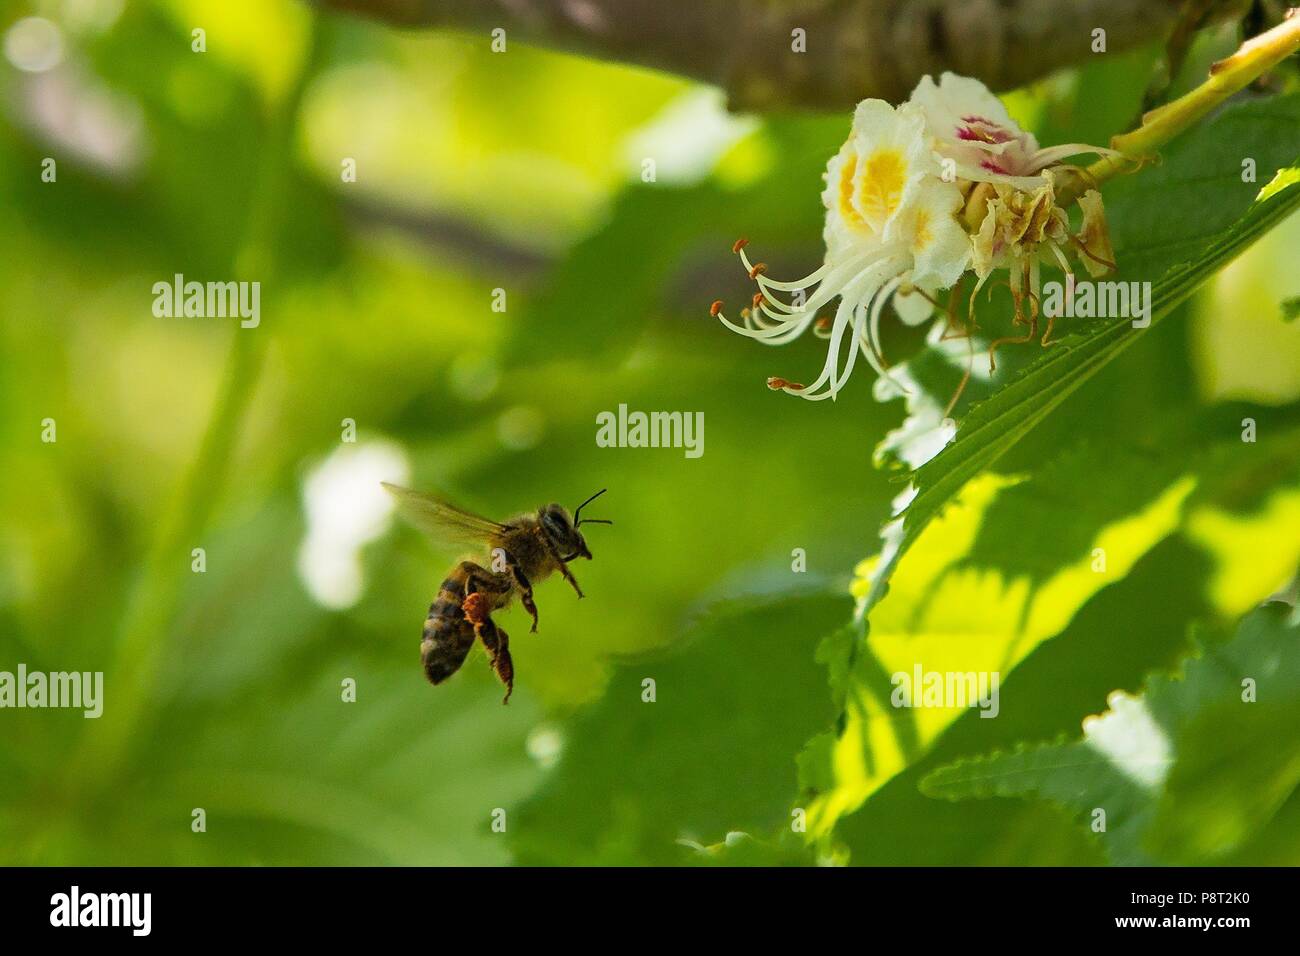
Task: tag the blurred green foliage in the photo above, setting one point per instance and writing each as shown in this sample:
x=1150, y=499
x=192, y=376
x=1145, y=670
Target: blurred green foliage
x=478, y=172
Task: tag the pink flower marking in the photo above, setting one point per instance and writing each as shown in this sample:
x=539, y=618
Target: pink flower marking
x=983, y=132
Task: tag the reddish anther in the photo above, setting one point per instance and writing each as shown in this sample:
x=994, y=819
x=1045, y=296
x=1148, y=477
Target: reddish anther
x=776, y=384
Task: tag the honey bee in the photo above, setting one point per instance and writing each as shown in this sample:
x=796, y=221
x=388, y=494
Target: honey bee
x=525, y=549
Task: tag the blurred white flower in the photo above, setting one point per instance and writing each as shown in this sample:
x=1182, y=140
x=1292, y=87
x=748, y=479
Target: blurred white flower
x=1129, y=737
x=687, y=138
x=85, y=119
x=34, y=45
x=544, y=744
x=346, y=508
x=925, y=431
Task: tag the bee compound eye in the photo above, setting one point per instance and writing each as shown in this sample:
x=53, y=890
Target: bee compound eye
x=554, y=525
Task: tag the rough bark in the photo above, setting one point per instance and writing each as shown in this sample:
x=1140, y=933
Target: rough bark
x=855, y=48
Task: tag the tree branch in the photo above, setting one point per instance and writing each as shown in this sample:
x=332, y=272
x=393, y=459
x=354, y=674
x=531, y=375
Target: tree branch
x=855, y=48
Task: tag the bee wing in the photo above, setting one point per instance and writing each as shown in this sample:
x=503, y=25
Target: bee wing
x=440, y=518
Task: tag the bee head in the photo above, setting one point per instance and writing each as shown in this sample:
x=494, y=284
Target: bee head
x=563, y=530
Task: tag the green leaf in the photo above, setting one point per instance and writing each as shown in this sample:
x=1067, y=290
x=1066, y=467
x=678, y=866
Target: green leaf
x=1041, y=699
x=943, y=615
x=1070, y=774
x=745, y=849
x=1291, y=309
x=712, y=754
x=1185, y=772
x=995, y=426
x=1008, y=566
x=598, y=301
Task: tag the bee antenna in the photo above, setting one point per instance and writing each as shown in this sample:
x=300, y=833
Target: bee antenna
x=577, y=515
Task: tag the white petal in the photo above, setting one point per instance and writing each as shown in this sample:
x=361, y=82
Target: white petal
x=957, y=97
x=940, y=246
x=892, y=158
x=913, y=308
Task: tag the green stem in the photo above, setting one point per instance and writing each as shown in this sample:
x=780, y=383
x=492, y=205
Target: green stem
x=1254, y=58
x=152, y=605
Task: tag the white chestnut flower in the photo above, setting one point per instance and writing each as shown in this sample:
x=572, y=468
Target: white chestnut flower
x=890, y=220
x=969, y=125
x=915, y=198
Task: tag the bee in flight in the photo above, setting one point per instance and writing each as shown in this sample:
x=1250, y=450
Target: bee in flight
x=525, y=549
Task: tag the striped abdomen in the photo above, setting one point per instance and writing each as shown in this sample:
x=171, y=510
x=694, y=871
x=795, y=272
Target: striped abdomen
x=448, y=636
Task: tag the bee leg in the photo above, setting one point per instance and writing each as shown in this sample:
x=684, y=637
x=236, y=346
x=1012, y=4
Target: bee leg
x=526, y=598
x=568, y=576
x=478, y=578
x=525, y=593
x=480, y=587
x=559, y=563
x=497, y=644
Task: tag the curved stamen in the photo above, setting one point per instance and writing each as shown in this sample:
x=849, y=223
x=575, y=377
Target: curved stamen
x=873, y=335
x=1092, y=255
x=788, y=322
x=856, y=295
x=1054, y=154
x=873, y=330
x=807, y=280
x=1060, y=258
x=859, y=324
x=828, y=285
x=771, y=335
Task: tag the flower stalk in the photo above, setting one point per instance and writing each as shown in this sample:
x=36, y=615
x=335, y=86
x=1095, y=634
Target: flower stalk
x=1252, y=60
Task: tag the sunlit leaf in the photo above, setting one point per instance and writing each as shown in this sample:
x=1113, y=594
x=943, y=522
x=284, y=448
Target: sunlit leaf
x=1155, y=764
